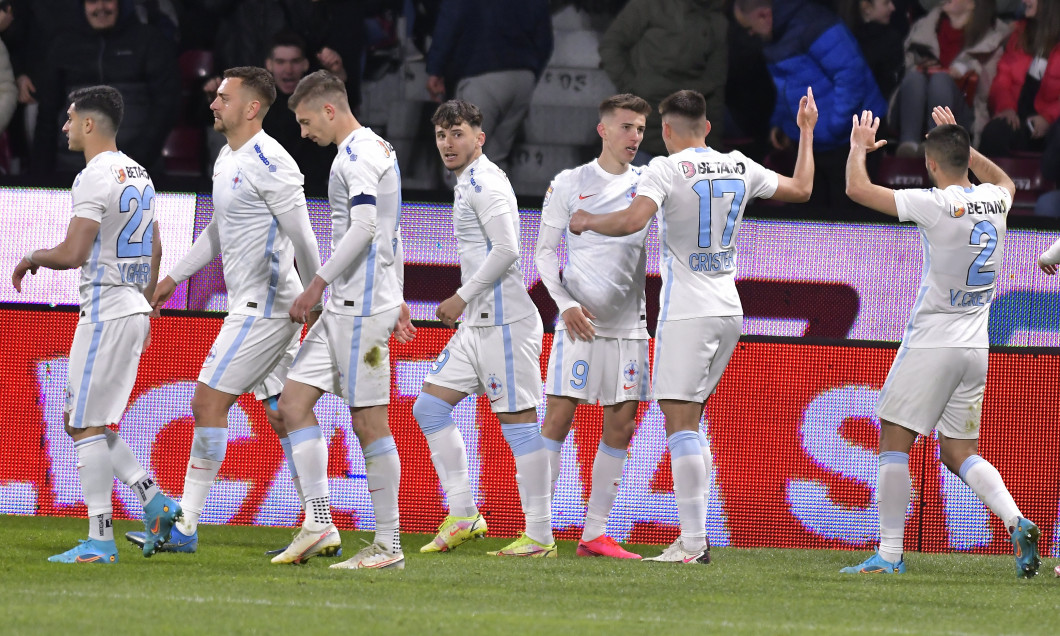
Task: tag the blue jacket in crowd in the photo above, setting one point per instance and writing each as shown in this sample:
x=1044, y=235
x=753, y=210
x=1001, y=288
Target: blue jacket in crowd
x=473, y=37
x=812, y=47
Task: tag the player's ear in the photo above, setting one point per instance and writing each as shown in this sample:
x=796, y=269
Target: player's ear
x=481, y=138
x=706, y=131
x=600, y=129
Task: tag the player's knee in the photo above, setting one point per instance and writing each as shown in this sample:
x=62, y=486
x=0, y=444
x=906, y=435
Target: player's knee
x=523, y=438
x=209, y=443
x=433, y=414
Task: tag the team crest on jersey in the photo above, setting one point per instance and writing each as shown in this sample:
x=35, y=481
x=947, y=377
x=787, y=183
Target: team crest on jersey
x=386, y=148
x=478, y=188
x=957, y=210
x=632, y=192
x=548, y=197
x=210, y=356
x=688, y=169
x=237, y=180
x=494, y=387
x=119, y=174
x=351, y=154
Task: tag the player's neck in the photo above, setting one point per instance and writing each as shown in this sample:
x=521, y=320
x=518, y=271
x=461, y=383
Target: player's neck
x=474, y=158
x=94, y=148
x=942, y=181
x=237, y=138
x=346, y=127
x=611, y=165
x=678, y=144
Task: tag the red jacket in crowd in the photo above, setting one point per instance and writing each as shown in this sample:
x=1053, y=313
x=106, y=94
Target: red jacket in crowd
x=1012, y=71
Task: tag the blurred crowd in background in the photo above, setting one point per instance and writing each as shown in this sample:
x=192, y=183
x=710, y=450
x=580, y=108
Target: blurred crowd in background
x=538, y=68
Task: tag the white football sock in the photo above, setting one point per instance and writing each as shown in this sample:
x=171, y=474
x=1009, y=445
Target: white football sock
x=690, y=476
x=607, y=475
x=309, y=454
x=708, y=461
x=986, y=483
x=383, y=468
x=97, y=482
x=532, y=475
x=128, y=469
x=893, y=493
x=198, y=479
x=449, y=457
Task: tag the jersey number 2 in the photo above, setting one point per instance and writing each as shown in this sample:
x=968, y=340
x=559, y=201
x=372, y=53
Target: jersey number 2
x=976, y=275
x=708, y=191
x=127, y=247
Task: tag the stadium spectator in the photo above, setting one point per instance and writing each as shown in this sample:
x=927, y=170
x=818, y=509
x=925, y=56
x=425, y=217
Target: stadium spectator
x=880, y=41
x=491, y=54
x=288, y=63
x=951, y=57
x=246, y=28
x=8, y=89
x=108, y=46
x=809, y=46
x=656, y=47
x=1025, y=94
x=749, y=94
x=1004, y=7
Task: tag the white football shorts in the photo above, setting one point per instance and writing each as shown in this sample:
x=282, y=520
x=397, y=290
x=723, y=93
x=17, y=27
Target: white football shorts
x=251, y=353
x=604, y=370
x=502, y=361
x=104, y=358
x=936, y=389
x=691, y=355
x=348, y=356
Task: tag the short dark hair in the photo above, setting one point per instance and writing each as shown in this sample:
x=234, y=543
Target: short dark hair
x=100, y=100
x=625, y=101
x=319, y=85
x=949, y=145
x=687, y=104
x=455, y=112
x=258, y=80
x=287, y=38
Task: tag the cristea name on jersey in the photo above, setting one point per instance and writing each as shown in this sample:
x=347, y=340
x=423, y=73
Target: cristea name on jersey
x=690, y=169
x=712, y=261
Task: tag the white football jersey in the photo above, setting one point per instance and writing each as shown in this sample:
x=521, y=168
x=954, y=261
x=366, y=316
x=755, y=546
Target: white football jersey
x=481, y=183
x=603, y=273
x=962, y=231
x=251, y=186
x=701, y=194
x=117, y=192
x=366, y=171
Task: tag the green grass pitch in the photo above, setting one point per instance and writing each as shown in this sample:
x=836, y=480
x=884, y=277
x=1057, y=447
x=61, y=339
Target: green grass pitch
x=230, y=587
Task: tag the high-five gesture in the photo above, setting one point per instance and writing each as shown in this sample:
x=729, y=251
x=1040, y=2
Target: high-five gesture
x=807, y=116
x=863, y=134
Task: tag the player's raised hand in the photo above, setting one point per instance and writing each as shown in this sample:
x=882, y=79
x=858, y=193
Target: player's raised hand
x=23, y=267
x=450, y=309
x=942, y=115
x=579, y=221
x=579, y=323
x=1048, y=268
x=332, y=62
x=163, y=290
x=404, y=330
x=863, y=134
x=807, y=116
